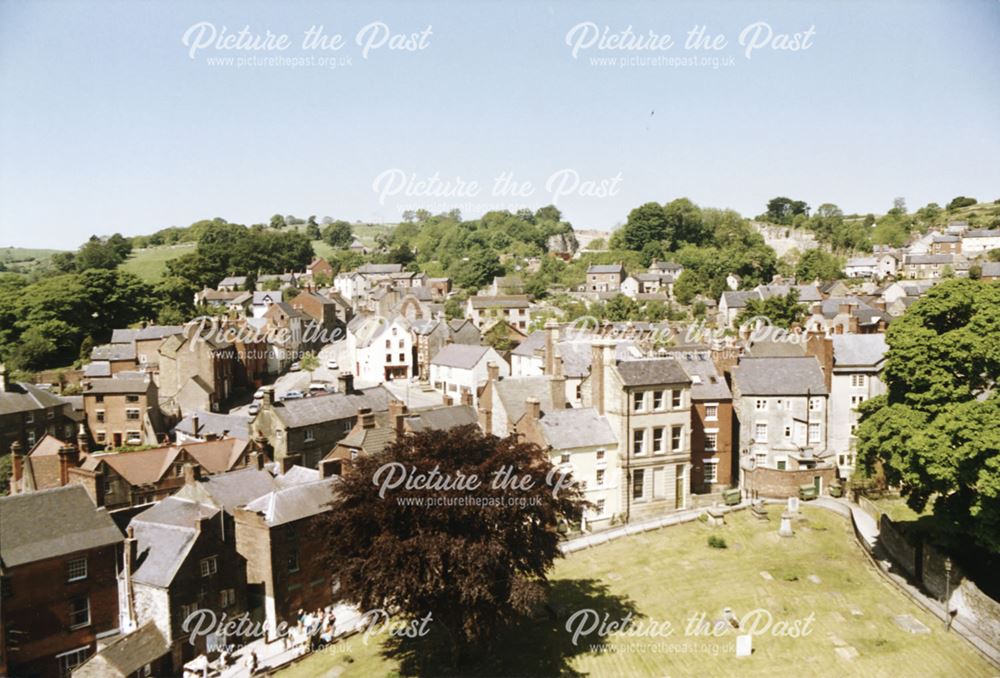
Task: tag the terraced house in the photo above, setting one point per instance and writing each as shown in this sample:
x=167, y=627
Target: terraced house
x=27, y=413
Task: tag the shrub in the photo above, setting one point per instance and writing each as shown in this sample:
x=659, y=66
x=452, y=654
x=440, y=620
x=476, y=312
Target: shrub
x=716, y=542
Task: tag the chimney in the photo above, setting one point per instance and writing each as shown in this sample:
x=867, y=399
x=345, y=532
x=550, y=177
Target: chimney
x=822, y=349
x=486, y=418
x=346, y=381
x=602, y=353
x=551, y=330
x=260, y=446
x=331, y=467
x=194, y=424
x=68, y=457
x=289, y=461
x=853, y=324
x=82, y=443
x=466, y=397
x=397, y=415
x=192, y=474
x=131, y=553
x=493, y=371
x=534, y=410
x=447, y=400
x=366, y=417
x=268, y=400
x=17, y=464
x=557, y=384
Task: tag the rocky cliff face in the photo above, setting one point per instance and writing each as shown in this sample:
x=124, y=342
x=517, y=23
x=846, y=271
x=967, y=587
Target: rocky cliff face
x=563, y=243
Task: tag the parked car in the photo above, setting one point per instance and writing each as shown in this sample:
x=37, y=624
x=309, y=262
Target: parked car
x=330, y=388
x=317, y=386
x=259, y=394
x=296, y=367
x=293, y=395
x=254, y=409
x=332, y=365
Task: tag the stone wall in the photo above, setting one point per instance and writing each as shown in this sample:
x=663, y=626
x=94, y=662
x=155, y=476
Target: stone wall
x=769, y=482
x=982, y=612
x=893, y=540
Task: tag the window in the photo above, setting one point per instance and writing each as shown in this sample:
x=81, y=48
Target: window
x=50, y=414
x=401, y=343
x=293, y=561
x=388, y=343
x=675, y=398
x=638, y=483
x=31, y=438
x=388, y=357
x=760, y=458
x=814, y=433
x=227, y=597
x=133, y=438
x=711, y=441
x=600, y=455
x=760, y=432
x=761, y=404
x=658, y=440
x=308, y=435
x=788, y=432
x=77, y=569
x=657, y=400
x=131, y=398
x=711, y=411
x=858, y=380
x=676, y=437
x=639, y=441
x=815, y=404
x=100, y=436
x=600, y=507
x=70, y=660
x=99, y=398
x=402, y=357
x=209, y=566
x=600, y=476
x=711, y=470
x=100, y=416
x=79, y=612
x=564, y=458
x=638, y=401
x=781, y=464
x=29, y=418
x=857, y=400
x=132, y=414
x=188, y=610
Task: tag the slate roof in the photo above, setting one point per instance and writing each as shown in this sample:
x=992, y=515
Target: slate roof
x=113, y=352
x=123, y=336
x=379, y=268
x=862, y=261
x=157, y=332
x=982, y=233
x=320, y=409
x=500, y=301
x=213, y=423
x=51, y=523
x=126, y=655
x=533, y=341
x=651, y=371
x=915, y=259
x=23, y=397
x=233, y=280
x=858, y=350
x=779, y=376
x=460, y=356
x=442, y=418
x=706, y=382
x=514, y=393
x=370, y=440
x=738, y=299
x=289, y=504
x=606, y=268
x=161, y=549
x=97, y=370
x=578, y=427
x=117, y=385
x=262, y=298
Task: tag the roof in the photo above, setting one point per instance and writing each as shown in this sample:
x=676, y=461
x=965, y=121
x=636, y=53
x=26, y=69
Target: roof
x=862, y=261
x=858, y=350
x=460, y=356
x=779, y=376
x=23, y=397
x=239, y=280
x=161, y=548
x=320, y=409
x=123, y=336
x=126, y=654
x=212, y=423
x=578, y=427
x=606, y=268
x=383, y=269
x=738, y=299
x=946, y=238
x=293, y=503
x=117, y=385
x=113, y=352
x=706, y=382
x=158, y=332
x=442, y=418
x=513, y=393
x=267, y=297
x=775, y=347
x=651, y=371
x=666, y=265
x=98, y=369
x=500, y=301
x=370, y=440
x=51, y=523
x=929, y=259
x=982, y=233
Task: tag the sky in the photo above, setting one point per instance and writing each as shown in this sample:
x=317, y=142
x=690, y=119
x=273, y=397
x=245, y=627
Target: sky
x=134, y=116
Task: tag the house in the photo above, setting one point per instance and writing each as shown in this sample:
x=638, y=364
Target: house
x=123, y=411
x=27, y=413
x=514, y=309
x=531, y=358
x=118, y=357
x=379, y=349
x=201, y=426
x=846, y=315
x=198, y=370
x=605, y=277
x=307, y=428
x=232, y=283
x=855, y=378
x=580, y=442
x=887, y=265
x=260, y=301
x=861, y=267
x=503, y=402
x=215, y=298
x=429, y=337
x=927, y=266
x=731, y=304
x=46, y=465
x=647, y=402
x=277, y=280
x=782, y=405
x=357, y=246
x=630, y=286
x=990, y=270
x=59, y=557
x=143, y=652
x=713, y=460
x=320, y=268
x=979, y=240
x=946, y=244
x=458, y=369
x=181, y=557
x=328, y=315
x=128, y=479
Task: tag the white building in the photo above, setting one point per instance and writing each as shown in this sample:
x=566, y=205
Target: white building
x=980, y=240
x=379, y=349
x=861, y=267
x=857, y=362
x=460, y=369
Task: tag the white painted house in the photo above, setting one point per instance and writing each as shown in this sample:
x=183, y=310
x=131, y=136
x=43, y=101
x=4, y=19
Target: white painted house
x=857, y=362
x=460, y=369
x=379, y=349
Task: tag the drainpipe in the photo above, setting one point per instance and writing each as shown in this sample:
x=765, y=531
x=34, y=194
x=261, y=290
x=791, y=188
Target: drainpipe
x=628, y=454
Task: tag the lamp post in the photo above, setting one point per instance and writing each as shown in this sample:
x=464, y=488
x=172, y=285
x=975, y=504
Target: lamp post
x=947, y=594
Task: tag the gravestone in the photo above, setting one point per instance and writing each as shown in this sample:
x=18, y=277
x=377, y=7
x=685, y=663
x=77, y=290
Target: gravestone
x=744, y=645
x=793, y=505
x=785, y=530
x=910, y=623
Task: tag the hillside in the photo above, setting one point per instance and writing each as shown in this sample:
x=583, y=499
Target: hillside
x=23, y=259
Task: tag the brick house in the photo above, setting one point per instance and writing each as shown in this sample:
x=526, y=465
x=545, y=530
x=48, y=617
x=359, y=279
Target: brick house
x=123, y=410
x=713, y=464
x=27, y=413
x=58, y=575
x=329, y=317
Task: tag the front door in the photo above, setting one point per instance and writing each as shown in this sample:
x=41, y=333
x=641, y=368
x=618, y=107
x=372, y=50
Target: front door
x=117, y=438
x=818, y=484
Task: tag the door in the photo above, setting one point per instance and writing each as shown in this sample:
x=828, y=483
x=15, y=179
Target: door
x=679, y=487
x=117, y=439
x=659, y=483
x=818, y=484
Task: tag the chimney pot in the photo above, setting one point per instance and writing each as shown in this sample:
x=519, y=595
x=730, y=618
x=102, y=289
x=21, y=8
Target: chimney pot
x=534, y=409
x=192, y=473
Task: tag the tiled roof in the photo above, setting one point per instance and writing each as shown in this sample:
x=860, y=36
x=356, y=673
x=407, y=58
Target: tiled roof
x=441, y=418
x=857, y=350
x=606, y=268
x=706, y=382
x=651, y=371
x=578, y=427
x=779, y=376
x=460, y=356
x=23, y=397
x=50, y=523
x=320, y=409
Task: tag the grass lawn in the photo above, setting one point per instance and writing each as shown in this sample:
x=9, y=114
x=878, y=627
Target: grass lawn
x=151, y=263
x=670, y=575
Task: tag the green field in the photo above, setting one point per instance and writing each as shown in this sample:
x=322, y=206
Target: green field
x=24, y=258
x=151, y=263
x=670, y=575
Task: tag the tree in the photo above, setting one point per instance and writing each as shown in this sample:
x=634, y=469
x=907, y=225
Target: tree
x=961, y=201
x=782, y=210
x=782, y=310
x=478, y=269
x=338, y=234
x=685, y=223
x=818, y=264
x=934, y=432
x=499, y=337
x=277, y=221
x=646, y=223
x=475, y=565
x=312, y=229
x=309, y=362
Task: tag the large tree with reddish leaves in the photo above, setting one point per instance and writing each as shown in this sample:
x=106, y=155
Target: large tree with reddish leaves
x=472, y=553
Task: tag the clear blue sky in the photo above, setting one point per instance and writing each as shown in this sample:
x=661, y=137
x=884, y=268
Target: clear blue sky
x=107, y=124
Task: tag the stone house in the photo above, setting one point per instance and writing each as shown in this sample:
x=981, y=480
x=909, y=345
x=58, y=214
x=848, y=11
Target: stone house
x=514, y=309
x=605, y=277
x=856, y=370
x=27, y=413
x=198, y=371
x=59, y=581
x=123, y=410
x=460, y=369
